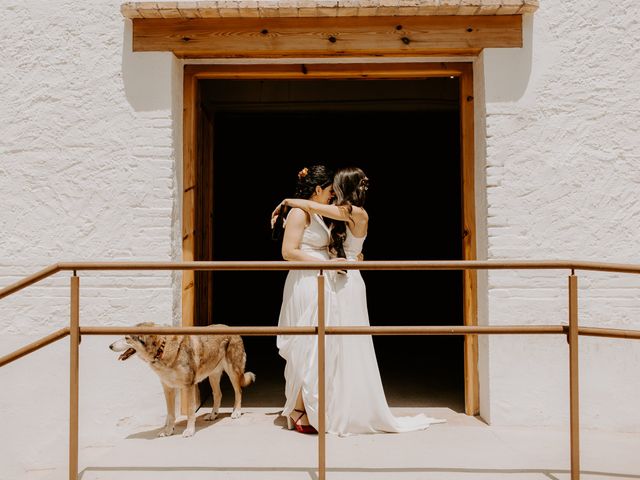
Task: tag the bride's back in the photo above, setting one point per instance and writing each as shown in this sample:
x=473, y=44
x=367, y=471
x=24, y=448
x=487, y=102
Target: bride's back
x=353, y=245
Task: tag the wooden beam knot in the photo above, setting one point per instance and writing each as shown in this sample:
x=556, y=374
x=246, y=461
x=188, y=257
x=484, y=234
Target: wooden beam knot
x=301, y=37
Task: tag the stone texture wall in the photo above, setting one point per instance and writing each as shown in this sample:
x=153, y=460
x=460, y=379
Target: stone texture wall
x=562, y=178
x=87, y=172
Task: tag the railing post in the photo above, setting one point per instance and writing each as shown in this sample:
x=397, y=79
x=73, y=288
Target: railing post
x=574, y=411
x=321, y=381
x=74, y=336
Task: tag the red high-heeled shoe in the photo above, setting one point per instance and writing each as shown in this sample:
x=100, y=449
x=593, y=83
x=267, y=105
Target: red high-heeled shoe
x=291, y=423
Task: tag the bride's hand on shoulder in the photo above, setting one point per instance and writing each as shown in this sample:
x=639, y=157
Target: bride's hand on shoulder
x=278, y=210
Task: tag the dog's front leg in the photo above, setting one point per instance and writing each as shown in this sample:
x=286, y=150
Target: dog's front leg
x=191, y=411
x=170, y=399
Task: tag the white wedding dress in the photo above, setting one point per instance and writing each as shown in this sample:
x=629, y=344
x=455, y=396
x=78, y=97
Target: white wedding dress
x=355, y=399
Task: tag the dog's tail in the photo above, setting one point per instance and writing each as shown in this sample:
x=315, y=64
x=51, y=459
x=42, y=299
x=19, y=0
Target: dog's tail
x=248, y=378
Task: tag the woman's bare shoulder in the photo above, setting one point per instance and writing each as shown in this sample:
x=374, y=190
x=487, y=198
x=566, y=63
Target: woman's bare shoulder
x=360, y=213
x=298, y=216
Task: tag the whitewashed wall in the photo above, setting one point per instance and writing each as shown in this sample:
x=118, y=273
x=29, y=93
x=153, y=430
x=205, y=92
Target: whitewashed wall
x=90, y=167
x=88, y=135
x=562, y=180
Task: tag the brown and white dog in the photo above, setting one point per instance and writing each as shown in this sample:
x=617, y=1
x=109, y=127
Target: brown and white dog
x=181, y=361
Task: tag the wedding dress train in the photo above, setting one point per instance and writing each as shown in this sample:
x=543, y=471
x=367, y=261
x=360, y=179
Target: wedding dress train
x=355, y=399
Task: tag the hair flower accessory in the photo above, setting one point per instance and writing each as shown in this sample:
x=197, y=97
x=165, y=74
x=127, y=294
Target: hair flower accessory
x=303, y=173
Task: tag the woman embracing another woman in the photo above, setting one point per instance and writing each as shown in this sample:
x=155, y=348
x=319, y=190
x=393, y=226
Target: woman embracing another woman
x=356, y=402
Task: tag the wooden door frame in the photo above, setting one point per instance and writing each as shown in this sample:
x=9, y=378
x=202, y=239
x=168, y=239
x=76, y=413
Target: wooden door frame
x=362, y=71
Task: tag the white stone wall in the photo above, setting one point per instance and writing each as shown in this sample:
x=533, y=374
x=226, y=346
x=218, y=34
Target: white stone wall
x=88, y=171
x=562, y=181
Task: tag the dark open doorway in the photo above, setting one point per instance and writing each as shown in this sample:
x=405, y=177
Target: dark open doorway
x=406, y=135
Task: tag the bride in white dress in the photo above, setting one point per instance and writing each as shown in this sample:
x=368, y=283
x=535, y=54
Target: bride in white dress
x=306, y=238
x=356, y=402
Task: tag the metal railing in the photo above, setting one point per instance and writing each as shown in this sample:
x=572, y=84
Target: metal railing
x=572, y=330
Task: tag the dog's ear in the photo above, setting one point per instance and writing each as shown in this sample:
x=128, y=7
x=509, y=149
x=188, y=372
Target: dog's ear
x=138, y=338
x=146, y=324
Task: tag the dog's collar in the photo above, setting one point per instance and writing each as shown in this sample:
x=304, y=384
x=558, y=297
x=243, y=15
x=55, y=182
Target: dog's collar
x=159, y=352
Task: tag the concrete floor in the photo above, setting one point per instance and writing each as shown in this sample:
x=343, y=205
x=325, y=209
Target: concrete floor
x=258, y=446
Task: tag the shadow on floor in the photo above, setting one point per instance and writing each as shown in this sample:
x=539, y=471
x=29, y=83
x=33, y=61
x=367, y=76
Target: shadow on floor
x=313, y=475
x=180, y=425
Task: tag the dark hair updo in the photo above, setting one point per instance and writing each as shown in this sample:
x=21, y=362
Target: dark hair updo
x=308, y=179
x=350, y=187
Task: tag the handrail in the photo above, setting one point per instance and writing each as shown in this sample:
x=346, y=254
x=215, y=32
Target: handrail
x=572, y=331
x=30, y=280
x=364, y=265
x=355, y=330
x=609, y=332
x=33, y=346
x=246, y=331
x=270, y=331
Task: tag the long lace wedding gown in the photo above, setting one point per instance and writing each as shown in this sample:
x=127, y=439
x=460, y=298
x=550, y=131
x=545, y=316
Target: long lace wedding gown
x=355, y=398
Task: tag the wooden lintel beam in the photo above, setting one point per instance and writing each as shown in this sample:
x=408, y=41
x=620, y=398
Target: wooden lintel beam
x=324, y=36
x=377, y=71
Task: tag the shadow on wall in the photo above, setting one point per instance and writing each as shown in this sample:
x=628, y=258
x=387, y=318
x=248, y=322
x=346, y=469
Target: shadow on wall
x=507, y=70
x=146, y=76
